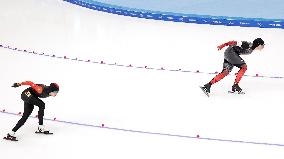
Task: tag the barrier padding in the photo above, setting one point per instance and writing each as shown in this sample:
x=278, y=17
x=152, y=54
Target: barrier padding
x=184, y=18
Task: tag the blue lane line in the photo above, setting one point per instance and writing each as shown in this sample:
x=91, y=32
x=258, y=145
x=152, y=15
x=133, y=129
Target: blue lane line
x=157, y=133
x=121, y=65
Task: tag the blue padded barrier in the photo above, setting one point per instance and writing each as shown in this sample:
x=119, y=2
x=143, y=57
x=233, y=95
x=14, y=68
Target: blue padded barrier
x=185, y=18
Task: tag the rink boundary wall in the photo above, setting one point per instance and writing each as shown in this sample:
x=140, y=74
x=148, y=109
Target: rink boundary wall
x=184, y=18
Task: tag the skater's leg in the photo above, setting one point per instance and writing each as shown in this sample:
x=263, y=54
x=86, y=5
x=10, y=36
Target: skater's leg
x=219, y=77
x=241, y=72
x=227, y=68
x=28, y=108
x=206, y=88
x=41, y=106
x=40, y=115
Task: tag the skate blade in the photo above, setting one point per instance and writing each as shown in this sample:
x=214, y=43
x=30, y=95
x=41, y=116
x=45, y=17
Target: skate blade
x=5, y=138
x=45, y=133
x=206, y=93
x=236, y=92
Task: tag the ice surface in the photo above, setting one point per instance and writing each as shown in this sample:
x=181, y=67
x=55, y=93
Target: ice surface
x=148, y=100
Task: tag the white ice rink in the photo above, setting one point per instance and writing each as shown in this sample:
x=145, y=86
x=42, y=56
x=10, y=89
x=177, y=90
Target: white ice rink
x=147, y=113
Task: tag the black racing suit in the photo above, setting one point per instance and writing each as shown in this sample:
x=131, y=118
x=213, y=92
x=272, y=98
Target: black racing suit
x=31, y=98
x=232, y=58
x=232, y=55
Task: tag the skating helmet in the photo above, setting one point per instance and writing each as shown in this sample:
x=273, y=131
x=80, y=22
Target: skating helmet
x=257, y=42
x=54, y=87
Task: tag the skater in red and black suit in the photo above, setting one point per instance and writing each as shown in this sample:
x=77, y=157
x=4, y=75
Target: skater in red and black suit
x=31, y=96
x=232, y=58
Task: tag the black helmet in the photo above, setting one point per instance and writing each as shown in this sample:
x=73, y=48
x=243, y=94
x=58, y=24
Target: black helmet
x=54, y=87
x=257, y=42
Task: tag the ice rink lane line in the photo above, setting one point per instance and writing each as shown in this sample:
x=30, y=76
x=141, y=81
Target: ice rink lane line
x=121, y=65
x=156, y=133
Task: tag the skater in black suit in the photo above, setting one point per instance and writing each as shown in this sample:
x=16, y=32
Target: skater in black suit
x=232, y=58
x=31, y=97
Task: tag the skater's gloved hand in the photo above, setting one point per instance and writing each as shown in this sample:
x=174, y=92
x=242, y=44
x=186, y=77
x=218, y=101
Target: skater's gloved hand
x=220, y=47
x=230, y=43
x=16, y=85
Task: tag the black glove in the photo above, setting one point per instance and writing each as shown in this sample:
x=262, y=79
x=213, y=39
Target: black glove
x=16, y=85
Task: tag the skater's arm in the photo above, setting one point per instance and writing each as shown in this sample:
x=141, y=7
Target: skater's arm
x=243, y=48
x=36, y=87
x=230, y=43
x=246, y=47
